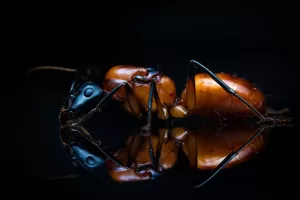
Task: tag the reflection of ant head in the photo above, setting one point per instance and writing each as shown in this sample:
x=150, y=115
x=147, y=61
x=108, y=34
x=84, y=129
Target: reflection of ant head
x=86, y=156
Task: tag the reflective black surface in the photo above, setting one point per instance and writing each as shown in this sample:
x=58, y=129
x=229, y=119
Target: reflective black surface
x=258, y=41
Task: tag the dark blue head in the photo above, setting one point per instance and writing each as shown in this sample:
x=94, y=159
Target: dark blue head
x=83, y=157
x=84, y=97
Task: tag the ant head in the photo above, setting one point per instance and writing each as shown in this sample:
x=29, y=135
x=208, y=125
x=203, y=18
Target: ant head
x=86, y=155
x=84, y=97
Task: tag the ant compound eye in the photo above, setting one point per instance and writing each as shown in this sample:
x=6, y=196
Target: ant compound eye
x=90, y=160
x=88, y=92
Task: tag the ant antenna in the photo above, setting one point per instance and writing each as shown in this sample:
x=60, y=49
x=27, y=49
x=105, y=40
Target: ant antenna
x=51, y=68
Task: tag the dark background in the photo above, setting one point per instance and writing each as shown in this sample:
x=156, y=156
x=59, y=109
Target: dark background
x=256, y=40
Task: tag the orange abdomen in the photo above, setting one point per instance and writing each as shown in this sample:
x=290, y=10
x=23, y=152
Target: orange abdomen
x=118, y=74
x=212, y=99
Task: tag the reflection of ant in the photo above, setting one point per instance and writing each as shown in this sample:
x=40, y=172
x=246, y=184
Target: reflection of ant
x=235, y=143
x=207, y=94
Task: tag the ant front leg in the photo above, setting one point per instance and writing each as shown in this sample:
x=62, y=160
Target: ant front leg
x=82, y=96
x=133, y=106
x=132, y=101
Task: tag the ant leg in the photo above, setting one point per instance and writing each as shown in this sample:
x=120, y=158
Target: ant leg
x=133, y=148
x=132, y=101
x=192, y=150
x=162, y=114
x=190, y=89
x=161, y=110
x=146, y=130
x=227, y=88
x=162, y=139
x=134, y=107
x=232, y=155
